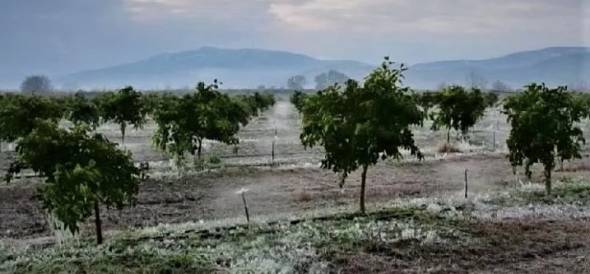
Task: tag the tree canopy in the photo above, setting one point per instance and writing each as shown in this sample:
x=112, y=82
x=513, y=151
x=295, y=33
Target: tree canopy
x=543, y=124
x=298, y=99
x=183, y=123
x=19, y=115
x=124, y=108
x=457, y=108
x=359, y=125
x=81, y=172
x=81, y=110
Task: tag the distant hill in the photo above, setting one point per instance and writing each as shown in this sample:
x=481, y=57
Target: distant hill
x=249, y=68
x=236, y=68
x=554, y=66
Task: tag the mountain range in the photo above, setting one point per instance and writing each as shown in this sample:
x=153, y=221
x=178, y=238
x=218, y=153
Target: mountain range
x=250, y=68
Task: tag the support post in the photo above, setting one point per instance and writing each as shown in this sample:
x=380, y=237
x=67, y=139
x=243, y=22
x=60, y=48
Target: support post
x=466, y=184
x=245, y=207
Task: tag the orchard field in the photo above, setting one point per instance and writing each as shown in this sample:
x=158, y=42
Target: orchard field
x=294, y=187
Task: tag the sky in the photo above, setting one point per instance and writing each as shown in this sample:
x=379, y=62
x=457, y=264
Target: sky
x=57, y=37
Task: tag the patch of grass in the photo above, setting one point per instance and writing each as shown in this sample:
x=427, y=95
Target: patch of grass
x=274, y=247
x=411, y=238
x=448, y=148
x=567, y=192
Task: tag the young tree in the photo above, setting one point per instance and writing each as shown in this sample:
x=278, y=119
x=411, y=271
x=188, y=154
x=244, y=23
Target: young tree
x=36, y=84
x=458, y=109
x=184, y=123
x=19, y=115
x=298, y=100
x=358, y=125
x=81, y=110
x=123, y=108
x=262, y=101
x=490, y=99
x=81, y=172
x=150, y=102
x=426, y=100
x=296, y=82
x=543, y=126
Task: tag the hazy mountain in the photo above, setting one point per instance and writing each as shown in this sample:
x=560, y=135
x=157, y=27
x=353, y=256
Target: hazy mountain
x=554, y=66
x=236, y=68
x=249, y=68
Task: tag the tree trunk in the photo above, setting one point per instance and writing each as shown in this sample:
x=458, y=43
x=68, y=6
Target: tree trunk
x=363, y=186
x=548, y=180
x=97, y=223
x=199, y=149
x=123, y=127
x=561, y=164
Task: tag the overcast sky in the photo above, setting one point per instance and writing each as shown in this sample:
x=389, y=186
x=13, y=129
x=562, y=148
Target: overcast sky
x=61, y=36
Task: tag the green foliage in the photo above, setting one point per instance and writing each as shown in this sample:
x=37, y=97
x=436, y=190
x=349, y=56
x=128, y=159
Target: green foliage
x=126, y=107
x=256, y=103
x=543, y=127
x=358, y=125
x=458, y=108
x=568, y=193
x=19, y=115
x=183, y=123
x=80, y=171
x=298, y=99
x=490, y=99
x=426, y=100
x=150, y=102
x=81, y=110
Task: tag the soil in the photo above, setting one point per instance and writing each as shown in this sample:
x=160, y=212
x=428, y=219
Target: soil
x=294, y=184
x=517, y=246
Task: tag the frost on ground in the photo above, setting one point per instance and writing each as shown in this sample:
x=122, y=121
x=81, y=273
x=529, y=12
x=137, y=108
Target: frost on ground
x=509, y=232
x=302, y=222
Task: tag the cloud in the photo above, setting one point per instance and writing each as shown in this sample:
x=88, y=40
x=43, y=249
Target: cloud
x=155, y=11
x=60, y=36
x=414, y=20
x=431, y=16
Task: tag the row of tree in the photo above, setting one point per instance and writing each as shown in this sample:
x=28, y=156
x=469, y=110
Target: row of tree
x=184, y=122
x=453, y=107
x=359, y=124
x=82, y=169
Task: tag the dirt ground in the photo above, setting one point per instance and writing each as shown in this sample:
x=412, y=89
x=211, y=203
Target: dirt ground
x=512, y=246
x=296, y=185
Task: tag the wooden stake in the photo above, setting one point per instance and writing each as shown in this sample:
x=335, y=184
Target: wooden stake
x=246, y=206
x=466, y=187
x=273, y=148
x=272, y=153
x=494, y=149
